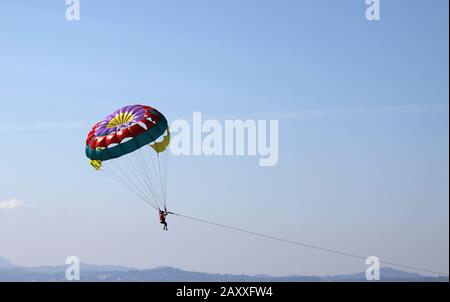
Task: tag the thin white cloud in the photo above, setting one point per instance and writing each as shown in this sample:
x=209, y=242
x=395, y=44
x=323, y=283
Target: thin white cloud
x=14, y=204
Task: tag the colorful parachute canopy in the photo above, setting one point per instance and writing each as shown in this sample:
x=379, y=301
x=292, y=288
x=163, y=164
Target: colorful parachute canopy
x=118, y=146
x=108, y=138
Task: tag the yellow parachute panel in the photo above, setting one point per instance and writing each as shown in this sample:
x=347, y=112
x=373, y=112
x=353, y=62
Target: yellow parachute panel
x=161, y=146
x=97, y=164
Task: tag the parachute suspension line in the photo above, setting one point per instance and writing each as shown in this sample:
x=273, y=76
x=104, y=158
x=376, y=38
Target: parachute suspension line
x=127, y=175
x=151, y=177
x=165, y=168
x=130, y=190
x=142, y=173
x=126, y=178
x=147, y=178
x=165, y=177
x=158, y=177
x=128, y=187
x=161, y=181
x=137, y=177
x=161, y=157
x=162, y=165
x=308, y=245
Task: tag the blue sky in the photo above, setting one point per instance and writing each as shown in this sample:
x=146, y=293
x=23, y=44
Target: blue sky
x=363, y=131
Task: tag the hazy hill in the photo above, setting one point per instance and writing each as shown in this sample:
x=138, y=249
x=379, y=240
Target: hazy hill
x=89, y=272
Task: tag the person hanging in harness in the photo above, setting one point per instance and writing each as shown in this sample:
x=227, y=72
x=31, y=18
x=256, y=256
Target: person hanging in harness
x=162, y=219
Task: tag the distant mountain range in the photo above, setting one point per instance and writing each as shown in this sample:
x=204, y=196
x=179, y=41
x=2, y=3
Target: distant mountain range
x=111, y=273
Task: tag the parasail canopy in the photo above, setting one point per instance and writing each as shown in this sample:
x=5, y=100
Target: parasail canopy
x=130, y=146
